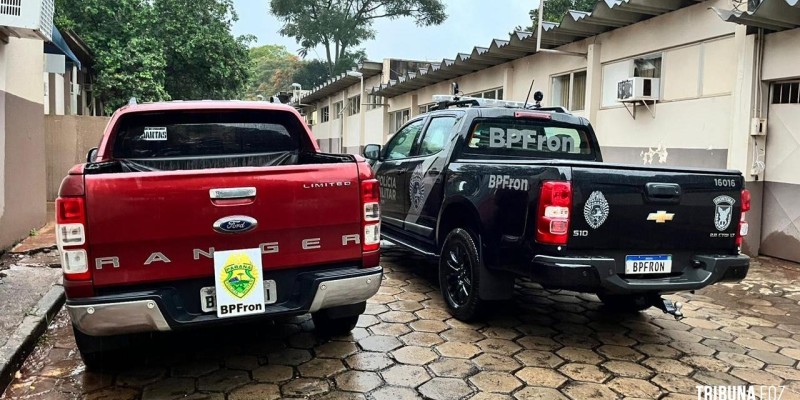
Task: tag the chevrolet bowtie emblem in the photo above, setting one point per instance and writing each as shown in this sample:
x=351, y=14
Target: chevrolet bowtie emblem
x=660, y=217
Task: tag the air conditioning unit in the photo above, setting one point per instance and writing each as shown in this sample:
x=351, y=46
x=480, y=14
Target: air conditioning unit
x=31, y=19
x=638, y=88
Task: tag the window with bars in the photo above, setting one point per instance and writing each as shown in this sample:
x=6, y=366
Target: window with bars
x=786, y=93
x=398, y=118
x=324, y=114
x=354, y=105
x=569, y=91
x=426, y=108
x=337, y=110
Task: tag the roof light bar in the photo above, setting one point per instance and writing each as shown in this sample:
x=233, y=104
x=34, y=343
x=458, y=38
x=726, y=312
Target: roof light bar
x=481, y=102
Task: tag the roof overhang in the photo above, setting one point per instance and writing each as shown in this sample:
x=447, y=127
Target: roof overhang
x=773, y=15
x=574, y=26
x=341, y=82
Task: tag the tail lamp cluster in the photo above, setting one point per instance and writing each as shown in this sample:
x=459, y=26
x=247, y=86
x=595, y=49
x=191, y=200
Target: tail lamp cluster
x=371, y=221
x=71, y=237
x=743, y=226
x=555, y=204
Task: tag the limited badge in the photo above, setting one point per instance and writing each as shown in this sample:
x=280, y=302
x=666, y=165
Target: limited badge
x=416, y=190
x=596, y=209
x=239, y=283
x=723, y=212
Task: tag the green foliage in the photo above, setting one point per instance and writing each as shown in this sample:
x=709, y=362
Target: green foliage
x=159, y=49
x=272, y=69
x=341, y=25
x=554, y=11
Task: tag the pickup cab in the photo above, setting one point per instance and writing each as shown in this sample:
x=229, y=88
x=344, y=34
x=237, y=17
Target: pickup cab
x=500, y=190
x=199, y=213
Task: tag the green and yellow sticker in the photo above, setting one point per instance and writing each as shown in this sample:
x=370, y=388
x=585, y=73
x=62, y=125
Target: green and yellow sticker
x=239, y=275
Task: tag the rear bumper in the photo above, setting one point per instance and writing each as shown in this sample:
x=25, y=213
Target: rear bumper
x=606, y=275
x=163, y=309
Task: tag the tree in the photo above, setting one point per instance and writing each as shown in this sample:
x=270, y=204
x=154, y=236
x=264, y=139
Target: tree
x=159, y=49
x=204, y=60
x=554, y=11
x=341, y=25
x=129, y=61
x=272, y=69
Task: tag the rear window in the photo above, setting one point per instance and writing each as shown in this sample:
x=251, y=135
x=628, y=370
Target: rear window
x=206, y=134
x=527, y=138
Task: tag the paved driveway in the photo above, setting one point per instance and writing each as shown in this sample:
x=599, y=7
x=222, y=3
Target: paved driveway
x=545, y=345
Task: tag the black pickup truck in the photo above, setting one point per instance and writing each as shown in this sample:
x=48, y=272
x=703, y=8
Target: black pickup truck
x=502, y=190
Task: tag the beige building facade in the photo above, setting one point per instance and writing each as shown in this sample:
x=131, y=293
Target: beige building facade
x=717, y=70
x=22, y=144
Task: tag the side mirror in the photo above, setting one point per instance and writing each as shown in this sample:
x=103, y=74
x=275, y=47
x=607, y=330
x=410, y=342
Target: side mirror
x=92, y=155
x=372, y=152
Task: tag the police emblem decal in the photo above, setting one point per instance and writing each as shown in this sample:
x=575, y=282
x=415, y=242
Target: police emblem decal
x=596, y=209
x=723, y=212
x=416, y=189
x=239, y=275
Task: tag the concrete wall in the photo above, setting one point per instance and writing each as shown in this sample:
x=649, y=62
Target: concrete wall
x=22, y=158
x=68, y=139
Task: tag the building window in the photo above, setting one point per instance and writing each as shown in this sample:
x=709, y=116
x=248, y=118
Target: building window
x=354, y=105
x=496, y=94
x=324, y=114
x=786, y=93
x=569, y=91
x=426, y=108
x=337, y=110
x=374, y=102
x=648, y=66
x=398, y=119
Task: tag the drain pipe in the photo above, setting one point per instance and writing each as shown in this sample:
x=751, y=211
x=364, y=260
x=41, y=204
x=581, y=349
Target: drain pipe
x=539, y=37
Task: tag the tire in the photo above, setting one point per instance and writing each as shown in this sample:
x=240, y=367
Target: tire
x=326, y=325
x=626, y=302
x=99, y=352
x=459, y=275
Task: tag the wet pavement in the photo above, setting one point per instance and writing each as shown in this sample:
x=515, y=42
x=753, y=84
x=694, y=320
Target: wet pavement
x=544, y=345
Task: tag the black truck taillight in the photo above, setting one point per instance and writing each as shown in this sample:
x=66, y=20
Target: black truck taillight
x=744, y=227
x=553, y=216
x=371, y=218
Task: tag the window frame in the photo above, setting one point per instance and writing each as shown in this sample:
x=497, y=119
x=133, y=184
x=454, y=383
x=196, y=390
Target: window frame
x=498, y=93
x=354, y=105
x=337, y=109
x=414, y=144
x=571, y=89
x=792, y=96
x=324, y=114
x=430, y=119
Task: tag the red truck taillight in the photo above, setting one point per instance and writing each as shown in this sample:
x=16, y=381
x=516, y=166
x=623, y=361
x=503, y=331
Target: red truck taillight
x=555, y=203
x=71, y=237
x=371, y=218
x=744, y=227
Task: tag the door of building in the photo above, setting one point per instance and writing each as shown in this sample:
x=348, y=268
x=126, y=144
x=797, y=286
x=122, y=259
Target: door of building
x=780, y=230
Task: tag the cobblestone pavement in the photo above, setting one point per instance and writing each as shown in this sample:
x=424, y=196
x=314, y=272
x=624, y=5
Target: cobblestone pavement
x=544, y=345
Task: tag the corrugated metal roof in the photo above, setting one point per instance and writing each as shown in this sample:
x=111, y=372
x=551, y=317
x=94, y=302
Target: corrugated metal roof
x=774, y=15
x=575, y=25
x=342, y=81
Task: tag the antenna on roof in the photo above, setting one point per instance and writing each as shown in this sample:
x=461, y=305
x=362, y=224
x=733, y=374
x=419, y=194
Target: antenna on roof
x=529, y=94
x=132, y=101
x=538, y=96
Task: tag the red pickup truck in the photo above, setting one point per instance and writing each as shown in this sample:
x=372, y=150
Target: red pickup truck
x=193, y=212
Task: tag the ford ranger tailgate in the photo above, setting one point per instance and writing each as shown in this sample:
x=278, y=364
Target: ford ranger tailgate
x=654, y=209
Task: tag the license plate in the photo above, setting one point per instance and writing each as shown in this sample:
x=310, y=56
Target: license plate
x=660, y=264
x=208, y=296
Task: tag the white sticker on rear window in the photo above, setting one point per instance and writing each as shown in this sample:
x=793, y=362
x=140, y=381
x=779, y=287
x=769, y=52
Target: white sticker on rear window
x=529, y=140
x=154, y=133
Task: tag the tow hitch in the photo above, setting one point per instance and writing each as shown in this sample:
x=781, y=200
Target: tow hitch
x=669, y=307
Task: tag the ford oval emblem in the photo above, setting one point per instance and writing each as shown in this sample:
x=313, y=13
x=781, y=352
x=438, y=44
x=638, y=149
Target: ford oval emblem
x=235, y=224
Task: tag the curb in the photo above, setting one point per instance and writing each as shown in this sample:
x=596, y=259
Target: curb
x=27, y=334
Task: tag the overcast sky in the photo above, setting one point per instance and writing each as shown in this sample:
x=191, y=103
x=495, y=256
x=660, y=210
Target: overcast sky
x=470, y=23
